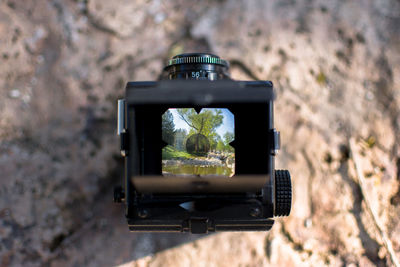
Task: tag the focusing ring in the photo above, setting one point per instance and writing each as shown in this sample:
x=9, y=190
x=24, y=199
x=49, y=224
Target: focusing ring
x=196, y=66
x=197, y=58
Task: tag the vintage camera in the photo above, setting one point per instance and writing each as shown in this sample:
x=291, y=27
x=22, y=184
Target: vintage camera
x=199, y=151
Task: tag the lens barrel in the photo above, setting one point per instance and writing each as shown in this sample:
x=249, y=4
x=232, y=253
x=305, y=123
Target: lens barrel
x=196, y=66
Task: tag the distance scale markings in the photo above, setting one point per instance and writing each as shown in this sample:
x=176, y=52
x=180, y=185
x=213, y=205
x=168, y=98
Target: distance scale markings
x=204, y=60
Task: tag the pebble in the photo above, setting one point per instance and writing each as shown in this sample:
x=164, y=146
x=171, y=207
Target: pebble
x=15, y=93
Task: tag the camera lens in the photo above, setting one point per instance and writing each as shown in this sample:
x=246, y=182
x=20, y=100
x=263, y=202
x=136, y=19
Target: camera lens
x=196, y=66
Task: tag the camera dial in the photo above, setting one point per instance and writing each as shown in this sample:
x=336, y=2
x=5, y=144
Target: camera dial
x=196, y=66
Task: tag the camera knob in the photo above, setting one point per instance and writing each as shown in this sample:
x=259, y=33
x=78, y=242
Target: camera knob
x=196, y=66
x=283, y=193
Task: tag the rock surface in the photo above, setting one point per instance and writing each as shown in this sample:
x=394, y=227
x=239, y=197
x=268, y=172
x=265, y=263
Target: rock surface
x=336, y=69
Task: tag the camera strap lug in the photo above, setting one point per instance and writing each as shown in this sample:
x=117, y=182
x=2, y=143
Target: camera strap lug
x=275, y=139
x=124, y=143
x=121, y=127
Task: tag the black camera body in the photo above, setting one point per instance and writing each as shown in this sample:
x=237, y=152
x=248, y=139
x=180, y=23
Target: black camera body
x=246, y=201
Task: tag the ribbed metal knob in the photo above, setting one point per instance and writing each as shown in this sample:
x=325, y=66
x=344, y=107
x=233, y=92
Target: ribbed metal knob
x=283, y=193
x=196, y=66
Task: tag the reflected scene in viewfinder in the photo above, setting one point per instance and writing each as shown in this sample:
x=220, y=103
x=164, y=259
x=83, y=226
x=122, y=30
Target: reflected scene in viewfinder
x=198, y=143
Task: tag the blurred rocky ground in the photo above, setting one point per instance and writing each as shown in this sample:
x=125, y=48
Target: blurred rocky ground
x=63, y=64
